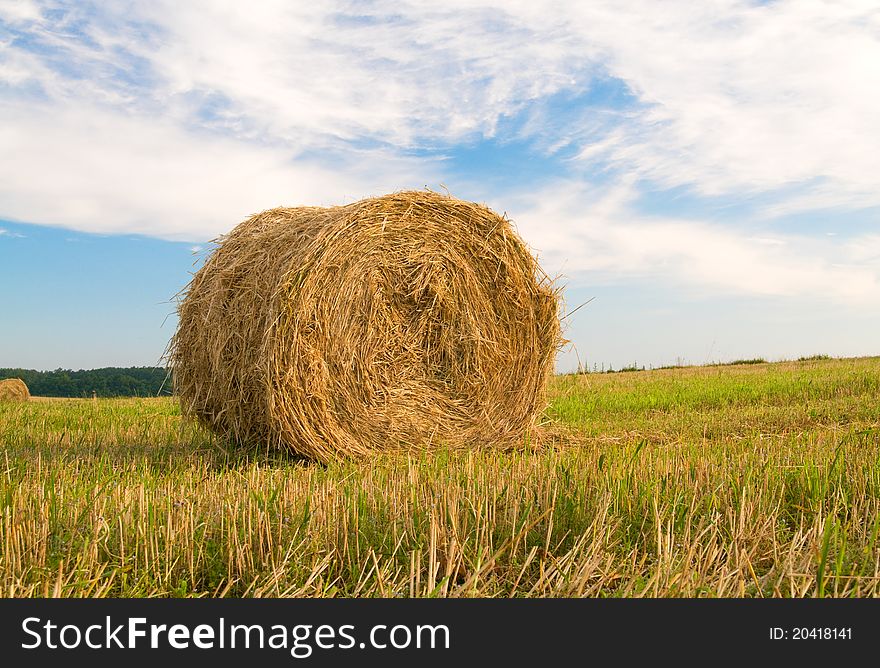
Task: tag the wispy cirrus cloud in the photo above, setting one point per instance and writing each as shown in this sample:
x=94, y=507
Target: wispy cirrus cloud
x=177, y=119
x=745, y=96
x=726, y=96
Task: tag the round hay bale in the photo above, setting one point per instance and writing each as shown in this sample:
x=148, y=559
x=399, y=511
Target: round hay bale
x=14, y=389
x=406, y=321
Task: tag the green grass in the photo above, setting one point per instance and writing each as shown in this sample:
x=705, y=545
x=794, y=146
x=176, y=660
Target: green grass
x=742, y=480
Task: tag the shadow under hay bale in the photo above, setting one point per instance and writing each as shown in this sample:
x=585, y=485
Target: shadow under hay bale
x=399, y=322
x=14, y=389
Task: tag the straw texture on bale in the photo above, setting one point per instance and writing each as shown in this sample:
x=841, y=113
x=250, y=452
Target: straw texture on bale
x=14, y=389
x=405, y=321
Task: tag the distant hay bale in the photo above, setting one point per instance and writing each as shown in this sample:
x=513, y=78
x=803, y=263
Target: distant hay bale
x=14, y=389
x=406, y=321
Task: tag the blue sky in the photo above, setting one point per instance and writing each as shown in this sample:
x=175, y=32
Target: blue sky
x=709, y=173
x=85, y=300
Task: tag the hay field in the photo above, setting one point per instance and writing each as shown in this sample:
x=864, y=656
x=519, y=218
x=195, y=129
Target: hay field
x=759, y=480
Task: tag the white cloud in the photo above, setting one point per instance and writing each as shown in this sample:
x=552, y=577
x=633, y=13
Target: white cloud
x=98, y=171
x=402, y=73
x=865, y=249
x=312, y=73
x=10, y=234
x=18, y=11
x=731, y=95
x=745, y=96
x=178, y=119
x=598, y=236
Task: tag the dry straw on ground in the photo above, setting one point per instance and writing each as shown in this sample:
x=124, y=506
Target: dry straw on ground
x=14, y=389
x=405, y=321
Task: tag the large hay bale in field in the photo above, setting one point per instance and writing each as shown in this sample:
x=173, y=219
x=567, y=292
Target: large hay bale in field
x=405, y=321
x=14, y=389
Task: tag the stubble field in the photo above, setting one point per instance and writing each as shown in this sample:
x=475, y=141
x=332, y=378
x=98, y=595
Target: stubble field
x=747, y=480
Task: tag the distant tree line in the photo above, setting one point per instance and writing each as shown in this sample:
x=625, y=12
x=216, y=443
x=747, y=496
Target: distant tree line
x=136, y=381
